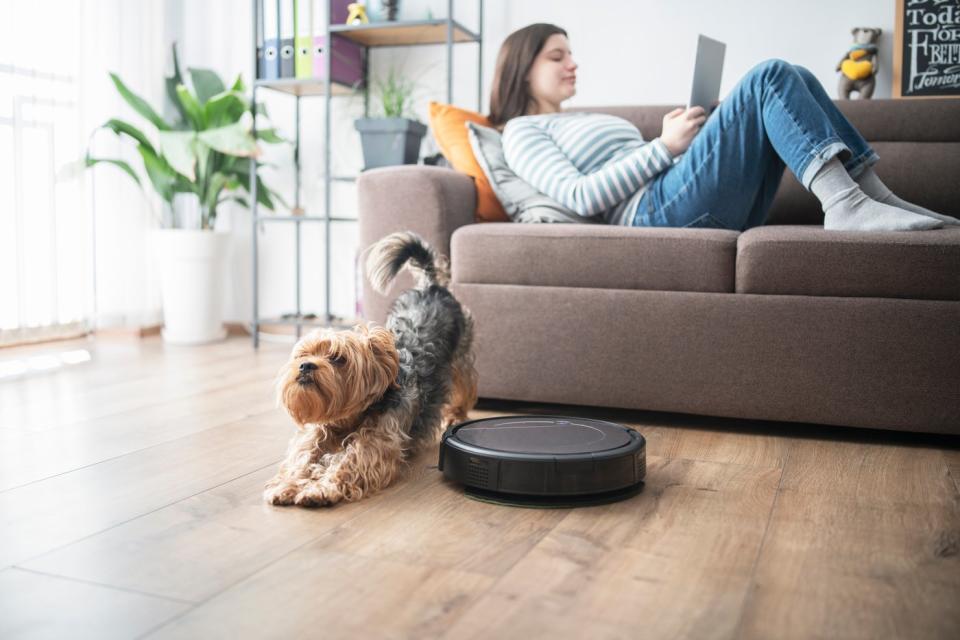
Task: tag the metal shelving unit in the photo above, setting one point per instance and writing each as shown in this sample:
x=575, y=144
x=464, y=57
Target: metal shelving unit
x=446, y=31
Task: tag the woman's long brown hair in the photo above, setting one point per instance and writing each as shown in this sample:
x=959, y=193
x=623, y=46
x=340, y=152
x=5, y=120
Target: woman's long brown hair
x=510, y=96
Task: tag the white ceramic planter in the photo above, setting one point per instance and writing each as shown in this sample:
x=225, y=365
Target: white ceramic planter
x=191, y=264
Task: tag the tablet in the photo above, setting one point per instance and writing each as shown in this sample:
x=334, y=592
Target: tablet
x=707, y=72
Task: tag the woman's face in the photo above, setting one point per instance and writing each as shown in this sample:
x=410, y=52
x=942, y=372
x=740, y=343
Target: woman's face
x=553, y=76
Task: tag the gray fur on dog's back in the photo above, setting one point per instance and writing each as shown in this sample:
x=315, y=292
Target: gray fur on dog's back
x=427, y=321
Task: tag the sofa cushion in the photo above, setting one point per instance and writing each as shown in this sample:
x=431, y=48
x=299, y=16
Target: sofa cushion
x=810, y=261
x=520, y=199
x=595, y=256
x=448, y=124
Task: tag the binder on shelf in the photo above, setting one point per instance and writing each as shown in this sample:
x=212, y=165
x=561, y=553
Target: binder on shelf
x=303, y=40
x=346, y=67
x=286, y=38
x=271, y=39
x=318, y=29
x=259, y=19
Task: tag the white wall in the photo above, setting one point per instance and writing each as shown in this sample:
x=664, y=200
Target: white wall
x=631, y=52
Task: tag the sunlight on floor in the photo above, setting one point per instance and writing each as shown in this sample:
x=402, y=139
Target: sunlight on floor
x=20, y=366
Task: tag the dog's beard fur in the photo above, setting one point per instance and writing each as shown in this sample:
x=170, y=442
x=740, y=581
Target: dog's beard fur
x=353, y=370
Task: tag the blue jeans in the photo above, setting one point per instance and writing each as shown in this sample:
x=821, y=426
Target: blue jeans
x=777, y=116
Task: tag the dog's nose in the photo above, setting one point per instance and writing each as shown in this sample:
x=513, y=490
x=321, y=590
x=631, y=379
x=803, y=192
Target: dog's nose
x=307, y=366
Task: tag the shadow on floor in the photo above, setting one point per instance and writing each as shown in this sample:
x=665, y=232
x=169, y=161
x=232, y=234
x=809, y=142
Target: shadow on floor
x=739, y=425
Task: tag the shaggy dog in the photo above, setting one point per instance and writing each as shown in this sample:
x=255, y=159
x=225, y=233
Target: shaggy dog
x=365, y=400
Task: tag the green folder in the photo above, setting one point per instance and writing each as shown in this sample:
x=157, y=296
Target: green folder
x=303, y=40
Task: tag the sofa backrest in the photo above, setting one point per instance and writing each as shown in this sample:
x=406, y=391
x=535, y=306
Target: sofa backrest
x=918, y=141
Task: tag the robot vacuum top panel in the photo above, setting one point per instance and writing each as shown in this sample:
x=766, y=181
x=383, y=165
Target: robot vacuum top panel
x=544, y=435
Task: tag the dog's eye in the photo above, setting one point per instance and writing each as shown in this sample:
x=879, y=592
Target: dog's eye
x=337, y=360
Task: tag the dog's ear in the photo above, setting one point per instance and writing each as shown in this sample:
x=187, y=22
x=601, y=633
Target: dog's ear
x=384, y=349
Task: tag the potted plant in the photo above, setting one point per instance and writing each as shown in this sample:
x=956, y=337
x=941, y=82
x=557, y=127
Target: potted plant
x=394, y=138
x=194, y=163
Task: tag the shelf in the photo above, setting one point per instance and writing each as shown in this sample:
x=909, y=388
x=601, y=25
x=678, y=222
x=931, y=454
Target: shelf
x=377, y=34
x=302, y=219
x=397, y=34
x=305, y=86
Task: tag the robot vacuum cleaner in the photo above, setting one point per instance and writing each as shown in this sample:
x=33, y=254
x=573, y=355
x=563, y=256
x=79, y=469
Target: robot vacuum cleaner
x=544, y=461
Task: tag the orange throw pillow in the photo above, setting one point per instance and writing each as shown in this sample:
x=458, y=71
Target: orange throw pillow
x=449, y=125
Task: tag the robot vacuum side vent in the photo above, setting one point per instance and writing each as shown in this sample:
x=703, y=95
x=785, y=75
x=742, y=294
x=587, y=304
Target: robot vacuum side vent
x=477, y=474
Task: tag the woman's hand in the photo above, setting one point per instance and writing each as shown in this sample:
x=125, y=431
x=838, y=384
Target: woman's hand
x=680, y=126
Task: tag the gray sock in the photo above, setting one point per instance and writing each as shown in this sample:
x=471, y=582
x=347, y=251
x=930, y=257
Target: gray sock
x=871, y=185
x=846, y=207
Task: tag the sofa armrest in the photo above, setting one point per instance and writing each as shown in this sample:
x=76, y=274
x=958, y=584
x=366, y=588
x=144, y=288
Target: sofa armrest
x=431, y=201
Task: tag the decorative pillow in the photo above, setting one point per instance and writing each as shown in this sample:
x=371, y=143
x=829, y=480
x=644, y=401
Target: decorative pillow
x=520, y=199
x=449, y=129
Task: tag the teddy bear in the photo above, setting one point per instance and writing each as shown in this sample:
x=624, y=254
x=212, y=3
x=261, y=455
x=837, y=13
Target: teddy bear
x=859, y=65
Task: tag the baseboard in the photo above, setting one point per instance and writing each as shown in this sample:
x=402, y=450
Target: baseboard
x=128, y=333
x=241, y=329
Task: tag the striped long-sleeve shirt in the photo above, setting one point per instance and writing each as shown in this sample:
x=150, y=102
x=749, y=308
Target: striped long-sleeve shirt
x=592, y=163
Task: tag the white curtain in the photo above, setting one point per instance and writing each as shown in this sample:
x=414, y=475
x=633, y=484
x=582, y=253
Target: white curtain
x=73, y=243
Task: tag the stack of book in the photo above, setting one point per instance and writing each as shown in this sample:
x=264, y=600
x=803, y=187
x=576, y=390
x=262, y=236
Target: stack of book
x=291, y=42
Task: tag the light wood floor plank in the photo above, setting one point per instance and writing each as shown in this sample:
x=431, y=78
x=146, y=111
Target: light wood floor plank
x=53, y=410
x=37, y=607
x=863, y=543
x=110, y=363
x=317, y=593
x=132, y=506
x=28, y=456
x=673, y=562
x=200, y=546
x=439, y=527
x=43, y=516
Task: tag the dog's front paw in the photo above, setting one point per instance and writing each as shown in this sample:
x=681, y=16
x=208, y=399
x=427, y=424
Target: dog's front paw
x=281, y=493
x=314, y=496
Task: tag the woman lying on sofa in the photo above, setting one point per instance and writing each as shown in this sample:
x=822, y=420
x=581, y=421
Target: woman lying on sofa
x=719, y=171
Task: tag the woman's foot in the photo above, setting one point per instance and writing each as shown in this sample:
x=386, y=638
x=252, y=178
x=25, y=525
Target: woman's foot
x=851, y=210
x=871, y=185
x=846, y=207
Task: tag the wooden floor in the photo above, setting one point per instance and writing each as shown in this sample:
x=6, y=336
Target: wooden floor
x=130, y=507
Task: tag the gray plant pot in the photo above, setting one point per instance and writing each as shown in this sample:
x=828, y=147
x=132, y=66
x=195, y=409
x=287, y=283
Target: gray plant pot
x=390, y=141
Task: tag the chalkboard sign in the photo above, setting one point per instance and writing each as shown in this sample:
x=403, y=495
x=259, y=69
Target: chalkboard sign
x=926, y=56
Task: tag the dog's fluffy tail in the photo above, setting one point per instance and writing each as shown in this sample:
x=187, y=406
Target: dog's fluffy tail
x=405, y=248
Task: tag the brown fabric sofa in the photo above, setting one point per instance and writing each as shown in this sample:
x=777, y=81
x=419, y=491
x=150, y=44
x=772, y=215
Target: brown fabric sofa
x=782, y=322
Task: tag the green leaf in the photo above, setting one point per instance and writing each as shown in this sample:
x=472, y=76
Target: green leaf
x=206, y=160
x=119, y=126
x=177, y=148
x=91, y=161
x=269, y=135
x=265, y=196
x=214, y=187
x=238, y=199
x=139, y=104
x=192, y=107
x=224, y=108
x=238, y=85
x=206, y=84
x=232, y=139
x=171, y=84
x=161, y=174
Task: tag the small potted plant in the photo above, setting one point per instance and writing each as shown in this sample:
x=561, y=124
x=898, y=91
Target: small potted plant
x=394, y=138
x=195, y=163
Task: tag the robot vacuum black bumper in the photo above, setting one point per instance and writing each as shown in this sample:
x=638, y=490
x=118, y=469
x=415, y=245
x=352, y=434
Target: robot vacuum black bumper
x=543, y=456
